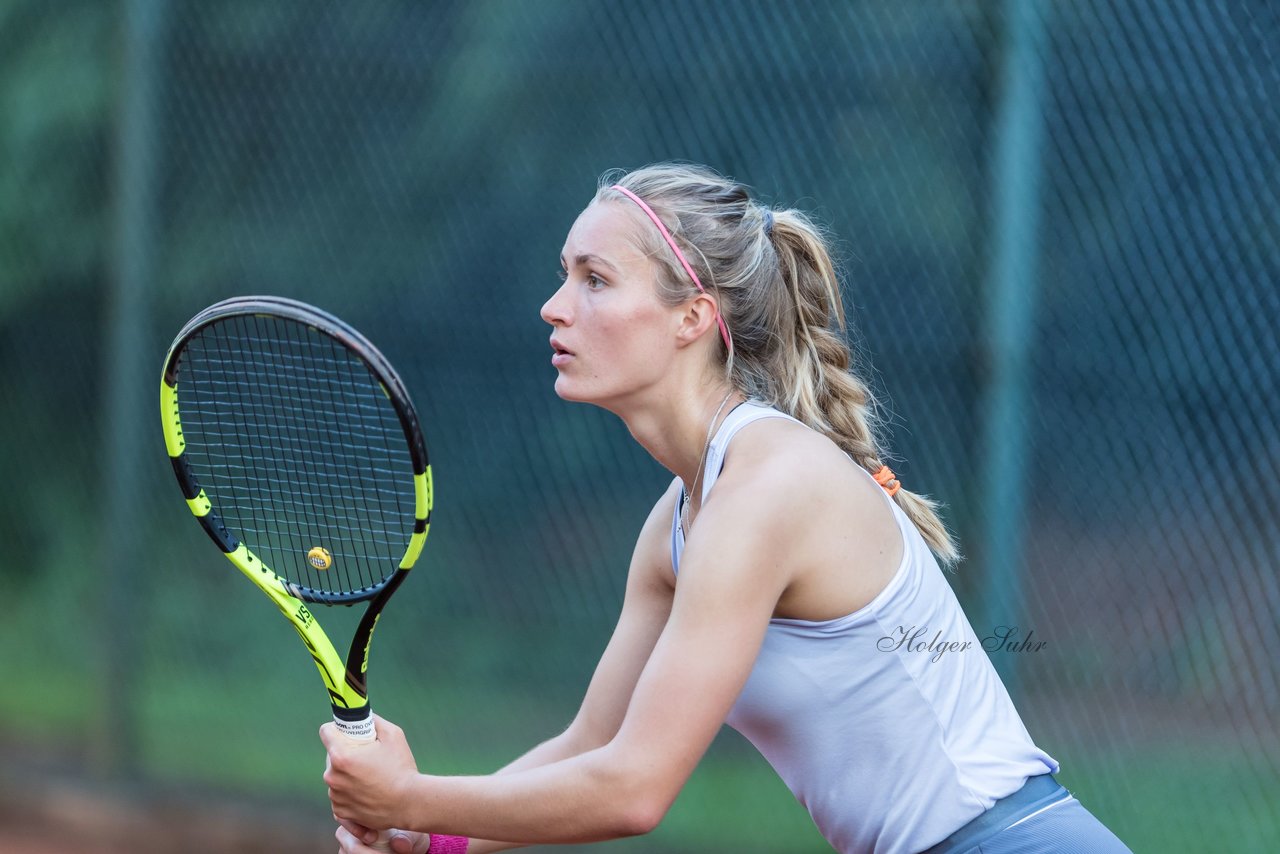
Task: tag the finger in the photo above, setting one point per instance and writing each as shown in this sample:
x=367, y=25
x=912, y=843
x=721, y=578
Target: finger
x=357, y=843
x=409, y=842
x=381, y=725
x=356, y=829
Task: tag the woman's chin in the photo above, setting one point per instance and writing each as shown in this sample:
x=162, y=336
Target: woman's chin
x=572, y=392
x=566, y=391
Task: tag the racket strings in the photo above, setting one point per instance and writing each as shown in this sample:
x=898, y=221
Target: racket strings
x=299, y=450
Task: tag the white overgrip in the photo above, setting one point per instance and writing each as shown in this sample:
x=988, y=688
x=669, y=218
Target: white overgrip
x=361, y=731
x=357, y=730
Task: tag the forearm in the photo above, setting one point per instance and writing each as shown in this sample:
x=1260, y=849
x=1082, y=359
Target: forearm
x=568, y=744
x=488, y=846
x=585, y=798
x=565, y=745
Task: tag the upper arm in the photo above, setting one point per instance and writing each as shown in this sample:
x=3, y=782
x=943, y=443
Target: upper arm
x=645, y=608
x=733, y=571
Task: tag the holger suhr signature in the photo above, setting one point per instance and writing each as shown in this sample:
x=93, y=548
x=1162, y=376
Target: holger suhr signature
x=916, y=639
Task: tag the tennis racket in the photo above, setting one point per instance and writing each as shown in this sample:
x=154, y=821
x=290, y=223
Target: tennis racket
x=299, y=451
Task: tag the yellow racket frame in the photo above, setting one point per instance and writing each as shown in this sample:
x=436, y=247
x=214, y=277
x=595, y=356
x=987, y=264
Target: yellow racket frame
x=345, y=684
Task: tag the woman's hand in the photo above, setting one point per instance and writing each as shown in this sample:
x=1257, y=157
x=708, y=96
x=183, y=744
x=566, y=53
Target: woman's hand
x=369, y=782
x=352, y=839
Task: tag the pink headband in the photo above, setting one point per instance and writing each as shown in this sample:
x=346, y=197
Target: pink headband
x=724, y=330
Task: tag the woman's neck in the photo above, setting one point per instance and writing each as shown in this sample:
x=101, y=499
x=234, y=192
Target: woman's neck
x=677, y=429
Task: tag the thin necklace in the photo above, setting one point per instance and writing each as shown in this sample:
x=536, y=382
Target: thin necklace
x=688, y=498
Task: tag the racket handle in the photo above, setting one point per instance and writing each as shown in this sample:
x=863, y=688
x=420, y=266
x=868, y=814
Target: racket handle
x=357, y=725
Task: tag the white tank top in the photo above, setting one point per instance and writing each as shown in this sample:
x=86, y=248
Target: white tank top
x=889, y=749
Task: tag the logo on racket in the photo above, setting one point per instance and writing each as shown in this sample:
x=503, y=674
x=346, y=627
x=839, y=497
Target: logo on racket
x=320, y=558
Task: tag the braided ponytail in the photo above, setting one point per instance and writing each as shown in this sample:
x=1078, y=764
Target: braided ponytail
x=817, y=384
x=780, y=297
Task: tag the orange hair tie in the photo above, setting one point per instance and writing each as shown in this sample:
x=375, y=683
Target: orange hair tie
x=886, y=478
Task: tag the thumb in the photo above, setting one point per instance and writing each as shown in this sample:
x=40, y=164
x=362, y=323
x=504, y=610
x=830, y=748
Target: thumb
x=405, y=843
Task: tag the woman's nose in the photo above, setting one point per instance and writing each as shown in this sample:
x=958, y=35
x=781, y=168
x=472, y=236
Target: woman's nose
x=556, y=310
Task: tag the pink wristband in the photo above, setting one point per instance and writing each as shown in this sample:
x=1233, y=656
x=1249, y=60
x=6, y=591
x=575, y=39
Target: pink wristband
x=441, y=844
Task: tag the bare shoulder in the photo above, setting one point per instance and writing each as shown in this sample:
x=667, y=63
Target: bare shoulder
x=652, y=556
x=666, y=504
x=828, y=518
x=789, y=462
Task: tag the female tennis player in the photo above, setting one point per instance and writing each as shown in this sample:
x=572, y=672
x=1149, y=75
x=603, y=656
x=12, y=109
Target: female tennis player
x=778, y=585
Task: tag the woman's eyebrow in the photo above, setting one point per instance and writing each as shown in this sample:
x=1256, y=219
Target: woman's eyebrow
x=589, y=258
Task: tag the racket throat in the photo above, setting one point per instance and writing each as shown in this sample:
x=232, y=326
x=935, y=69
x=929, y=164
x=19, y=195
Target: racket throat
x=356, y=682
x=358, y=656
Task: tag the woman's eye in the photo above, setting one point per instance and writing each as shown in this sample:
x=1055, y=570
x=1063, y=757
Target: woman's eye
x=595, y=282
x=562, y=274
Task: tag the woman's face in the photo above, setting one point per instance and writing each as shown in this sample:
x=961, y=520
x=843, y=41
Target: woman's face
x=612, y=336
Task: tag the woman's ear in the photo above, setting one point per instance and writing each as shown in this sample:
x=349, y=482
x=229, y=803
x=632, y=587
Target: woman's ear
x=699, y=315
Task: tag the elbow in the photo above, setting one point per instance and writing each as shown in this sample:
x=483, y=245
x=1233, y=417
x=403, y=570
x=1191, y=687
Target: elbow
x=640, y=798
x=641, y=817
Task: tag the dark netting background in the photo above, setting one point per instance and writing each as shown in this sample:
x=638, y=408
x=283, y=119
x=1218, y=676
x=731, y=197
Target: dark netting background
x=1057, y=225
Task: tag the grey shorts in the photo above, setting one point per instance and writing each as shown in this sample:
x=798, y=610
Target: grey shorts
x=1040, y=818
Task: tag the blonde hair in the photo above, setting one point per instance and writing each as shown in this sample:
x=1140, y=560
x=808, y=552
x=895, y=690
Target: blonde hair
x=779, y=294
